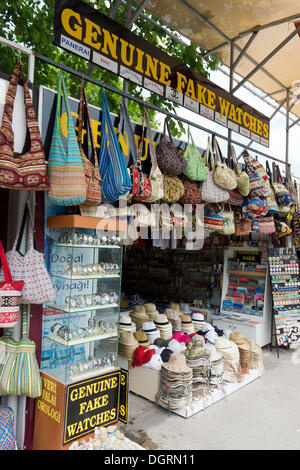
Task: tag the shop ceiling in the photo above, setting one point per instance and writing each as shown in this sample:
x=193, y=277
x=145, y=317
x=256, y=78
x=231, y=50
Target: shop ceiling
x=256, y=39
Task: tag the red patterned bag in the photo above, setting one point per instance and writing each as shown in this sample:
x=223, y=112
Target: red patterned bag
x=10, y=294
x=27, y=171
x=192, y=193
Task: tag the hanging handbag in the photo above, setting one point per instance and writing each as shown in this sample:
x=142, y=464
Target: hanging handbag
x=235, y=198
x=173, y=188
x=224, y=176
x=10, y=294
x=155, y=177
x=267, y=224
x=243, y=184
x=283, y=198
x=228, y=227
x=7, y=437
x=135, y=169
x=271, y=199
x=20, y=373
x=256, y=182
x=28, y=170
x=192, y=193
x=65, y=168
x=91, y=170
x=195, y=169
x=261, y=171
x=213, y=220
x=242, y=227
x=210, y=191
x=113, y=172
x=30, y=267
x=254, y=208
x=169, y=159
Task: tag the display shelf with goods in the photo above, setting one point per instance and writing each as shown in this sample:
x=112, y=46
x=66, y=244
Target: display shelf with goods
x=85, y=266
x=246, y=301
x=285, y=285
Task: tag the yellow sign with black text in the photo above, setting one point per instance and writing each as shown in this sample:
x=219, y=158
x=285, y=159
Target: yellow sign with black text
x=84, y=31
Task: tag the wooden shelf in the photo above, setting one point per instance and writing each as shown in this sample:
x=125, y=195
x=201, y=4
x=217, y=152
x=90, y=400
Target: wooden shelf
x=79, y=221
x=248, y=273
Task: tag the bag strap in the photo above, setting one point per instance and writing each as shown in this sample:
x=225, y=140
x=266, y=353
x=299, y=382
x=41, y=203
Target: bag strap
x=61, y=90
x=25, y=317
x=6, y=271
x=169, y=132
x=280, y=180
x=152, y=151
x=268, y=170
x=27, y=217
x=234, y=159
x=84, y=104
x=125, y=125
x=208, y=154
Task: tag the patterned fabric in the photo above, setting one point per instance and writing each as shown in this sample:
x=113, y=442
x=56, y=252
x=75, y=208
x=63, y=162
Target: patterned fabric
x=266, y=224
x=20, y=373
x=283, y=198
x=212, y=220
x=27, y=171
x=7, y=438
x=242, y=227
x=192, y=193
x=38, y=287
x=155, y=183
x=169, y=159
x=92, y=175
x=195, y=169
x=65, y=168
x=257, y=182
x=113, y=172
x=235, y=198
x=10, y=293
x=173, y=188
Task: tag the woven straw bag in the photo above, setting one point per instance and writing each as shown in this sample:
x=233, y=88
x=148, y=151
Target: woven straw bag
x=224, y=176
x=210, y=191
x=173, y=188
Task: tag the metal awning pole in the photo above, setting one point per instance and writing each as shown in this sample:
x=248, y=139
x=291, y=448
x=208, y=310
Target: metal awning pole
x=287, y=132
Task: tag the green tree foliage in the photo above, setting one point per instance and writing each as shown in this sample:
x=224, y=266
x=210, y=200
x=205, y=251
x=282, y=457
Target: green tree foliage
x=30, y=23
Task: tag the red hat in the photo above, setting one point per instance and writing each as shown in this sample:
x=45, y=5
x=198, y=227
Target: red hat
x=142, y=355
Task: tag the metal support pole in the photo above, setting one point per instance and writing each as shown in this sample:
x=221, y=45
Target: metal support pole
x=287, y=131
x=246, y=47
x=230, y=89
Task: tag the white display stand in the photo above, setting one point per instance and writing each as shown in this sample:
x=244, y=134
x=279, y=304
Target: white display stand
x=259, y=329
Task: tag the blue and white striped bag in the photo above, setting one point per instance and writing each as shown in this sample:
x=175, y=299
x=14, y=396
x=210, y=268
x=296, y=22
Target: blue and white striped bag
x=113, y=171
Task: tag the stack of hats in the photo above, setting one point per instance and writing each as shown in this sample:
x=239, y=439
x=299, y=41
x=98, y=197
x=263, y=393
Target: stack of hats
x=198, y=320
x=244, y=349
x=174, y=306
x=187, y=325
x=125, y=323
x=151, y=331
x=174, y=318
x=176, y=379
x=163, y=325
x=151, y=311
x=127, y=344
x=138, y=316
x=208, y=332
x=142, y=338
x=198, y=361
x=231, y=359
x=256, y=356
x=216, y=366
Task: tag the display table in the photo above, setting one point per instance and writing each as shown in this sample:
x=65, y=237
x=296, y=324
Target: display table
x=144, y=382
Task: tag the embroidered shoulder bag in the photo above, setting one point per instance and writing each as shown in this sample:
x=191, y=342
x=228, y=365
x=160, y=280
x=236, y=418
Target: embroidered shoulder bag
x=26, y=171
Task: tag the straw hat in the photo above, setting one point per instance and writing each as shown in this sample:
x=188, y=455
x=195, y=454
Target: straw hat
x=184, y=308
x=127, y=344
x=151, y=331
x=174, y=318
x=125, y=323
x=177, y=364
x=139, y=309
x=164, y=326
x=142, y=338
x=139, y=317
x=174, y=306
x=187, y=325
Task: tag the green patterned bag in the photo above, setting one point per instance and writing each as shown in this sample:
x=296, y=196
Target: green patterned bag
x=195, y=169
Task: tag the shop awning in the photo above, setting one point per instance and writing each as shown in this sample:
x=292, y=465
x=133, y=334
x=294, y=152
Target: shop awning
x=266, y=28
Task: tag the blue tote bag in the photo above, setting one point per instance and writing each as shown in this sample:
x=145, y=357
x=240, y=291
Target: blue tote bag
x=113, y=171
x=65, y=168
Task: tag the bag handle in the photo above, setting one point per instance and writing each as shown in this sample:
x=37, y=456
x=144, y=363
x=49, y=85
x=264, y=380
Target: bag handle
x=234, y=159
x=280, y=180
x=61, y=90
x=268, y=170
x=169, y=132
x=126, y=124
x=25, y=325
x=6, y=271
x=84, y=103
x=208, y=154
